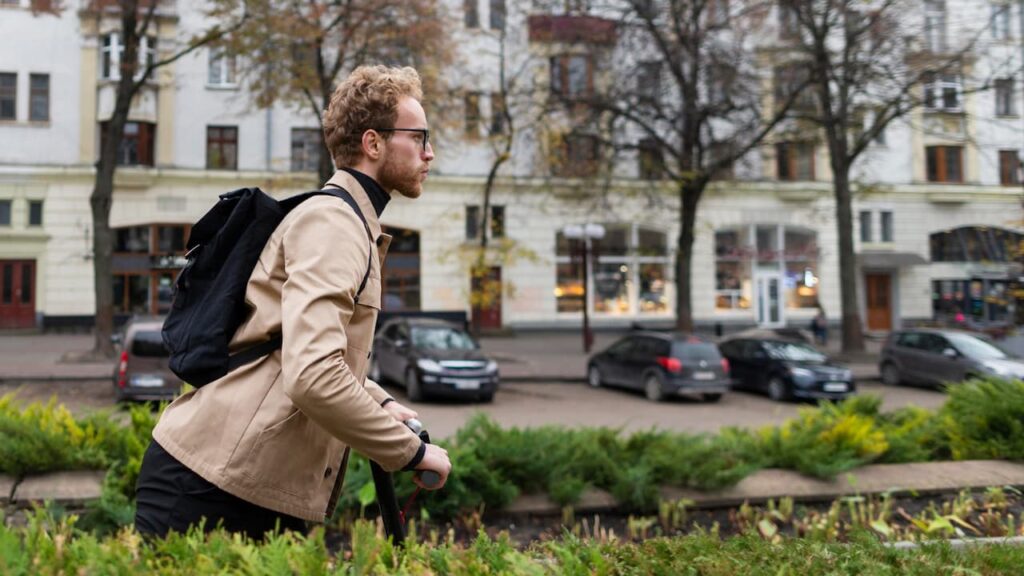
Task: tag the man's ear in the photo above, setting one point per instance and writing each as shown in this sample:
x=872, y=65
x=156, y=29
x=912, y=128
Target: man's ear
x=373, y=145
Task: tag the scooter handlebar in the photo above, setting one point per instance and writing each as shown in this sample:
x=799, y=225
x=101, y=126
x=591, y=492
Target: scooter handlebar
x=428, y=478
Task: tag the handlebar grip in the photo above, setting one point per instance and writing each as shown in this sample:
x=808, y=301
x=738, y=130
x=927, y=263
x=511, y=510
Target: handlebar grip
x=430, y=479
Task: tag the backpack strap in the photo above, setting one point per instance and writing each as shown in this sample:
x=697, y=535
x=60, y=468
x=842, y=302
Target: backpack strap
x=260, y=350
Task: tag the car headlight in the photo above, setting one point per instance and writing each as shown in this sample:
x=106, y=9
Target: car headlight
x=802, y=375
x=428, y=365
x=492, y=366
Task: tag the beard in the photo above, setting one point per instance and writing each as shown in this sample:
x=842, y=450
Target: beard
x=403, y=179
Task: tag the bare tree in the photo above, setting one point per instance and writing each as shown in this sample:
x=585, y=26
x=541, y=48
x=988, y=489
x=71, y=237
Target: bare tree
x=867, y=64
x=297, y=52
x=137, y=20
x=688, y=84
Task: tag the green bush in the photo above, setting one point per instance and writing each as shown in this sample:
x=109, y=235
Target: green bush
x=985, y=419
x=49, y=547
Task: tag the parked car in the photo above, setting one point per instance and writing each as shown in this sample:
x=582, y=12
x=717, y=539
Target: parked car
x=935, y=356
x=786, y=369
x=432, y=358
x=142, y=372
x=662, y=364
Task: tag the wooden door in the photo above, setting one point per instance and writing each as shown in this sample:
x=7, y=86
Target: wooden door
x=17, y=293
x=879, y=305
x=488, y=316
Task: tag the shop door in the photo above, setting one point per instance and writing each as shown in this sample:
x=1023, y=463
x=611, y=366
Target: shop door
x=878, y=288
x=17, y=293
x=769, y=301
x=488, y=315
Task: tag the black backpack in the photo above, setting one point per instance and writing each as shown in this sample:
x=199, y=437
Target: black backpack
x=209, y=293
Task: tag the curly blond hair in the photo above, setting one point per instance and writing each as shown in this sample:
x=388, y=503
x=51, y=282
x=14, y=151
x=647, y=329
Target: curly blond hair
x=367, y=99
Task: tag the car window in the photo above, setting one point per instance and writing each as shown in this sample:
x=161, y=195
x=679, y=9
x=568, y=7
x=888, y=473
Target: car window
x=694, y=351
x=729, y=348
x=933, y=343
x=909, y=340
x=392, y=332
x=148, y=344
x=751, y=348
x=441, y=338
x=793, y=351
x=976, y=348
x=622, y=346
x=650, y=347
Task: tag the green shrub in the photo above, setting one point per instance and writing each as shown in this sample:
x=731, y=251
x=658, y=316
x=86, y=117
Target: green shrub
x=985, y=419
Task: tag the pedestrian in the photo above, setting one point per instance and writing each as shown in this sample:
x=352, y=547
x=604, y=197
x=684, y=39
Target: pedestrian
x=266, y=446
x=819, y=326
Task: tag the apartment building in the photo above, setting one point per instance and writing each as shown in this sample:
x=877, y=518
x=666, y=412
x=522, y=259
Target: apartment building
x=938, y=202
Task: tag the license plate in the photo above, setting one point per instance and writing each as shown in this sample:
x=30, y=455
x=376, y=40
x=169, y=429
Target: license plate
x=703, y=375
x=147, y=381
x=467, y=384
x=835, y=387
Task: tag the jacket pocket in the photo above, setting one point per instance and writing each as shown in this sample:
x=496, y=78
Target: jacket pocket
x=291, y=455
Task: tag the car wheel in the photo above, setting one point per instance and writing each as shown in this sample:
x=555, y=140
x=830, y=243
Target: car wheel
x=374, y=372
x=594, y=376
x=890, y=374
x=413, y=387
x=652, y=388
x=778, y=390
x=711, y=397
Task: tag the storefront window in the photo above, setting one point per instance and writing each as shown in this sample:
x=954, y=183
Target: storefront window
x=132, y=240
x=736, y=256
x=978, y=300
x=629, y=272
x=170, y=239
x=131, y=293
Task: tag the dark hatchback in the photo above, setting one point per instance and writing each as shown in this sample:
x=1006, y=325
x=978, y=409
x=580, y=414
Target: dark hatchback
x=142, y=372
x=432, y=358
x=786, y=369
x=662, y=364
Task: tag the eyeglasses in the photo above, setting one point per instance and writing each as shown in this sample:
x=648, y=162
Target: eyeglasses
x=423, y=132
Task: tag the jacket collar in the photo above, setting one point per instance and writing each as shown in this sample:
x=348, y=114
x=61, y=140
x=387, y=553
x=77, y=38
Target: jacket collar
x=349, y=182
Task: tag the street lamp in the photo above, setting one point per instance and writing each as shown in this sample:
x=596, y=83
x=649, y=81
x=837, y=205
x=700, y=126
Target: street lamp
x=584, y=233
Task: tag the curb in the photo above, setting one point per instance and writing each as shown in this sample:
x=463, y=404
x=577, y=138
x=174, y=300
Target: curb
x=51, y=378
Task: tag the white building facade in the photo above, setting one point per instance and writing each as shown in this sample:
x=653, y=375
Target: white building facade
x=938, y=209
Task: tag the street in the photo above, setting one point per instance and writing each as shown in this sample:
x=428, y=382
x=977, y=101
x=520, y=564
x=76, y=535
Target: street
x=537, y=404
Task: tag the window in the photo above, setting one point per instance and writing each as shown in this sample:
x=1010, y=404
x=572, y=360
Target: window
x=10, y=2
x=497, y=14
x=133, y=240
x=137, y=144
x=572, y=76
x=5, y=212
x=651, y=162
x=8, y=96
x=471, y=103
x=886, y=219
x=980, y=299
x=39, y=97
x=794, y=161
x=945, y=163
x=739, y=252
x=1001, y=21
x=222, y=70
x=473, y=222
x=975, y=244
x=170, y=239
x=648, y=82
x=305, y=149
x=865, y=226
x=35, y=212
x=578, y=156
x=111, y=52
x=1004, y=97
x=789, y=25
x=222, y=147
x=935, y=25
x=1009, y=168
x=497, y=113
x=471, y=17
x=791, y=82
x=942, y=92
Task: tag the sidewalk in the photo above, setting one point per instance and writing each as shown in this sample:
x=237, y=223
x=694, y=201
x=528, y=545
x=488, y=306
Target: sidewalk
x=522, y=357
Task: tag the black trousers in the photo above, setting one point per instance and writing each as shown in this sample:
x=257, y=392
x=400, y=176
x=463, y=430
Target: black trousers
x=170, y=496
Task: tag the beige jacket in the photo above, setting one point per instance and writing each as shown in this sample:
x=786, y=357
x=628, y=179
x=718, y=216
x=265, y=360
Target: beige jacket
x=276, y=432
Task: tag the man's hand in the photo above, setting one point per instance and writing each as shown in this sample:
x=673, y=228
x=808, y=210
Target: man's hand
x=435, y=459
x=400, y=412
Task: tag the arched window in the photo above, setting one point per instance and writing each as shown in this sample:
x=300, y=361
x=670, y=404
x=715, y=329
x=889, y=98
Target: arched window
x=976, y=244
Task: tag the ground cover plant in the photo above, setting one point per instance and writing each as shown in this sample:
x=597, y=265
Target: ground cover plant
x=981, y=419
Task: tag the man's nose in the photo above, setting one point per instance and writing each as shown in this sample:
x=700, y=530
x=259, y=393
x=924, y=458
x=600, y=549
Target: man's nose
x=428, y=154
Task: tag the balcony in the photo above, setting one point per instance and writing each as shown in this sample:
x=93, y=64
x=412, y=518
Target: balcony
x=549, y=28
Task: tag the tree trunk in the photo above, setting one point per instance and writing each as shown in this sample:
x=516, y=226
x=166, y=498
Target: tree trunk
x=852, y=331
x=689, y=197
x=100, y=202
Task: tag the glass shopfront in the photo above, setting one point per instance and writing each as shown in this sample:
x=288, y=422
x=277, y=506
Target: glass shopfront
x=146, y=261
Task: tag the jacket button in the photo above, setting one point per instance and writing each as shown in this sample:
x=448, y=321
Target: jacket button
x=327, y=473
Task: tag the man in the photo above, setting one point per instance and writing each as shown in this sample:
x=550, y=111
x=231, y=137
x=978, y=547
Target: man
x=267, y=445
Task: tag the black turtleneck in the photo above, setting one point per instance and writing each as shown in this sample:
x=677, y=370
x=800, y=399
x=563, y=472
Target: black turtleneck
x=378, y=196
